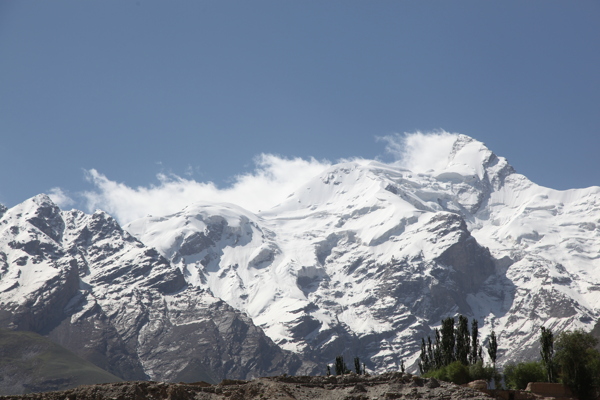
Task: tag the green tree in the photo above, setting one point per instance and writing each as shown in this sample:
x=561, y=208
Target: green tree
x=517, y=376
x=578, y=362
x=448, y=341
x=473, y=358
x=463, y=339
x=424, y=363
x=357, y=365
x=436, y=351
x=493, y=348
x=479, y=371
x=493, y=353
x=547, y=353
x=431, y=354
x=456, y=355
x=340, y=366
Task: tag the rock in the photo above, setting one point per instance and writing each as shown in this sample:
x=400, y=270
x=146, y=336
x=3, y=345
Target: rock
x=432, y=383
x=393, y=395
x=358, y=388
x=478, y=384
x=417, y=380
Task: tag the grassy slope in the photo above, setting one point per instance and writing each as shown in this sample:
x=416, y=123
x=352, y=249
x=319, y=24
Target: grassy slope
x=32, y=363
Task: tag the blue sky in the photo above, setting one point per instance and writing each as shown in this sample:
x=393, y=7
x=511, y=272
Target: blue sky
x=200, y=89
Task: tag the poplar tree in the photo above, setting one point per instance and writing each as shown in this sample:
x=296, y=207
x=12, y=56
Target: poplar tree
x=424, y=363
x=340, y=366
x=475, y=348
x=493, y=348
x=462, y=348
x=448, y=341
x=547, y=353
x=430, y=354
x=357, y=365
x=438, y=359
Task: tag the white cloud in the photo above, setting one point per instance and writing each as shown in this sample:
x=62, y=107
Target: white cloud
x=61, y=199
x=421, y=152
x=273, y=179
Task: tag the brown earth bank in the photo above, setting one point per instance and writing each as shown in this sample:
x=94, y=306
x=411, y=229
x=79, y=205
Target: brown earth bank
x=394, y=385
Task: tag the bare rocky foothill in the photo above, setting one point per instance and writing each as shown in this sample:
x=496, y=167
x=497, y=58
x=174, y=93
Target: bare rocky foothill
x=394, y=385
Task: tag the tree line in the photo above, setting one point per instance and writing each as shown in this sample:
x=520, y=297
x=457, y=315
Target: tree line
x=341, y=368
x=452, y=344
x=360, y=369
x=455, y=355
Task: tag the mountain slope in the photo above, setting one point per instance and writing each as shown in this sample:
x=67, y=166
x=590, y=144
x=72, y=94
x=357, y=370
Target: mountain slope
x=32, y=363
x=93, y=288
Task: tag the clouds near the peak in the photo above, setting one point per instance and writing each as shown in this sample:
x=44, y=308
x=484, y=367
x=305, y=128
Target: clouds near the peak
x=273, y=179
x=58, y=196
x=420, y=152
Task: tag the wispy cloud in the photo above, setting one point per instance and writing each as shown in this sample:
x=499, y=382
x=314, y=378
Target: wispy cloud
x=58, y=196
x=272, y=180
x=420, y=152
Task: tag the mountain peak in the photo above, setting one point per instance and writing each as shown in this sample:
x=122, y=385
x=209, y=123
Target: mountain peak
x=449, y=157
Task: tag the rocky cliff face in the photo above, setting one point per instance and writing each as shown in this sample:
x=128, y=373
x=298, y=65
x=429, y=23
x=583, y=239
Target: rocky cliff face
x=95, y=289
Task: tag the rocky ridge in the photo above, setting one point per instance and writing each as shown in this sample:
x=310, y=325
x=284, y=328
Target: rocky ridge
x=93, y=288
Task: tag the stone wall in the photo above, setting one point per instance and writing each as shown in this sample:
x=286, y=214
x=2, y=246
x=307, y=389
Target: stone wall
x=549, y=389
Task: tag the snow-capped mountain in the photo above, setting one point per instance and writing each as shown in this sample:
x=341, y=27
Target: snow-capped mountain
x=363, y=260
x=367, y=257
x=93, y=288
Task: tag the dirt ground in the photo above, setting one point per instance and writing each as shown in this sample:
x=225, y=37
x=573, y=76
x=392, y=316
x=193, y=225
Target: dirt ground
x=347, y=387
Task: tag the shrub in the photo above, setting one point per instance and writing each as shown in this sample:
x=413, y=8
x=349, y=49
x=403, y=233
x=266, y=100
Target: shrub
x=517, y=376
x=458, y=373
x=455, y=372
x=479, y=371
